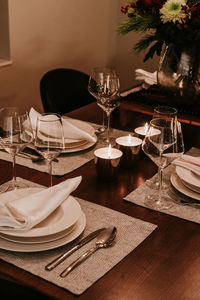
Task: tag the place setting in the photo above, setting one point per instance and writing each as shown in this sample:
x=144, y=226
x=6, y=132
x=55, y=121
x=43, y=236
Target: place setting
x=70, y=151
x=49, y=233
x=175, y=189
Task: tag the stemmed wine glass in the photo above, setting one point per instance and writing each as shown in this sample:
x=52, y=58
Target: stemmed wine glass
x=163, y=112
x=15, y=134
x=162, y=144
x=49, y=138
x=104, y=86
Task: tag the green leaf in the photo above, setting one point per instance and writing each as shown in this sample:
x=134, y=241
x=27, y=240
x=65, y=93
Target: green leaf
x=144, y=42
x=138, y=23
x=156, y=48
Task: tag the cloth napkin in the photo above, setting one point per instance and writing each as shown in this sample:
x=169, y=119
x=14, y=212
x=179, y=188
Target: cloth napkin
x=26, y=212
x=72, y=133
x=189, y=162
x=147, y=77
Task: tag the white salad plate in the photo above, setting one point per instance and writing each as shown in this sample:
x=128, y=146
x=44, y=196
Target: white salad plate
x=62, y=218
x=189, y=178
x=20, y=247
x=179, y=186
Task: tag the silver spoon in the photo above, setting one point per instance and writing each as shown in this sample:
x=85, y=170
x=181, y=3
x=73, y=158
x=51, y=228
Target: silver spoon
x=104, y=240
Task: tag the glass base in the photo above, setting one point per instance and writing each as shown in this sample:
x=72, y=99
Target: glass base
x=154, y=184
x=100, y=130
x=106, y=142
x=157, y=202
x=8, y=186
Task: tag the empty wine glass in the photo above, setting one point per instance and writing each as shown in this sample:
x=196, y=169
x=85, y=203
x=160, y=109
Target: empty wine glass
x=15, y=134
x=163, y=112
x=159, y=144
x=49, y=138
x=104, y=86
x=96, y=76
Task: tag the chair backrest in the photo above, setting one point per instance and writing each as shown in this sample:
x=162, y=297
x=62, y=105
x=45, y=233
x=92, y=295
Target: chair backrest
x=63, y=90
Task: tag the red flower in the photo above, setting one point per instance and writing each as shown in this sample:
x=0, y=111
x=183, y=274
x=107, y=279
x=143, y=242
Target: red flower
x=144, y=4
x=196, y=13
x=158, y=3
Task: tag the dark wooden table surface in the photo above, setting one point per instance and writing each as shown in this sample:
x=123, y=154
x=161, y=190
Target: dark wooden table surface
x=165, y=266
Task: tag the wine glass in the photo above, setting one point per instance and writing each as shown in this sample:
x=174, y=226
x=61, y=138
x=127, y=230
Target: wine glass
x=96, y=76
x=49, y=138
x=163, y=112
x=104, y=86
x=15, y=134
x=160, y=145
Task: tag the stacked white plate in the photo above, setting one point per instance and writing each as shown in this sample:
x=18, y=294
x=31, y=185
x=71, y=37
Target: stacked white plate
x=64, y=225
x=186, y=182
x=73, y=145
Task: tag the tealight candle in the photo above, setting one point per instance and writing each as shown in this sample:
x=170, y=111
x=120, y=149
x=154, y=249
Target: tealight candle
x=107, y=162
x=141, y=131
x=130, y=146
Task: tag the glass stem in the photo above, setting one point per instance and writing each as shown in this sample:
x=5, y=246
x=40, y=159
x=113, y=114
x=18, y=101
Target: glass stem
x=50, y=171
x=108, y=128
x=160, y=175
x=14, y=171
x=103, y=121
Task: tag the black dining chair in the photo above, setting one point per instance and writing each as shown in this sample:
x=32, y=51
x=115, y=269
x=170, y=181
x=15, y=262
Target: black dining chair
x=63, y=90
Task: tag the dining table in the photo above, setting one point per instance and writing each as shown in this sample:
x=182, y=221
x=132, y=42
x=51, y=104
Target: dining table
x=165, y=265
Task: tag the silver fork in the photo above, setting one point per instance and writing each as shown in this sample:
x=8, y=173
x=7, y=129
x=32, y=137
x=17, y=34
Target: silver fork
x=33, y=157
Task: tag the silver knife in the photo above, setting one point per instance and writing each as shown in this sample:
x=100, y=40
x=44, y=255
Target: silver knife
x=63, y=256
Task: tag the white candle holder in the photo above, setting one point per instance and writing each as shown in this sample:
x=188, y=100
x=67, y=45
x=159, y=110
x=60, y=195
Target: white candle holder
x=130, y=146
x=141, y=131
x=107, y=163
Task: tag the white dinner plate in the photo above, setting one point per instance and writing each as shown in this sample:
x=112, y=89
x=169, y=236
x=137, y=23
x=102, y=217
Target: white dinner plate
x=19, y=247
x=189, y=178
x=38, y=239
x=62, y=218
x=179, y=186
x=85, y=146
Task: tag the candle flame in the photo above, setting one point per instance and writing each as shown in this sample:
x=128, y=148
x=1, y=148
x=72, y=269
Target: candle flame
x=109, y=151
x=129, y=138
x=145, y=127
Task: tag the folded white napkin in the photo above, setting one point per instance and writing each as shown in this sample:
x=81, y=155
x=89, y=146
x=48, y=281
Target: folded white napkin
x=24, y=213
x=71, y=132
x=189, y=162
x=149, y=78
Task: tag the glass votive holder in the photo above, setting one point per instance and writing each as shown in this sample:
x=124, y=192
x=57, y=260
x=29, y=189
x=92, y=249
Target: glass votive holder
x=107, y=163
x=141, y=131
x=130, y=147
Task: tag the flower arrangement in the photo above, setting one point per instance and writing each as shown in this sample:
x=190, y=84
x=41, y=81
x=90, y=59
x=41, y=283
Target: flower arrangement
x=174, y=22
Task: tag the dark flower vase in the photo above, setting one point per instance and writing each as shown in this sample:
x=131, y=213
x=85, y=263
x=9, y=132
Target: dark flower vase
x=179, y=73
